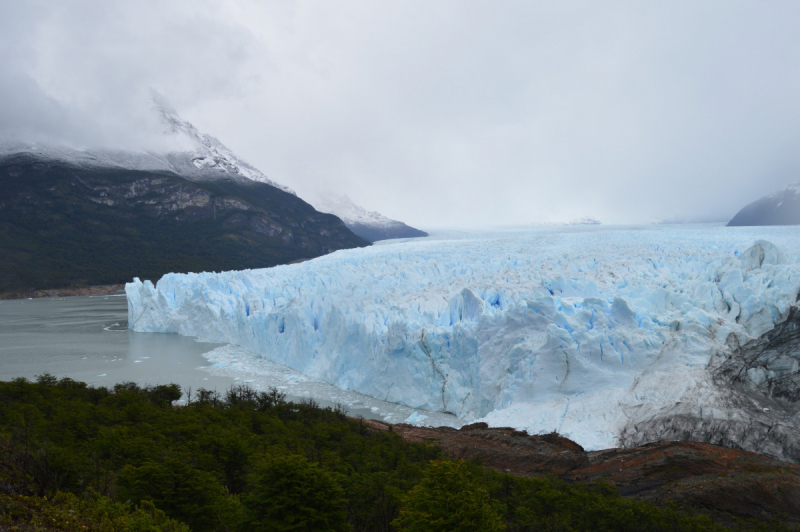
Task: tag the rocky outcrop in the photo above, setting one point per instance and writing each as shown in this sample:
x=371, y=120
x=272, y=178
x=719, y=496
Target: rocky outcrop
x=761, y=407
x=726, y=483
x=769, y=367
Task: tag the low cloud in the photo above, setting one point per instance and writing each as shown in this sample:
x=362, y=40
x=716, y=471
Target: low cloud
x=438, y=114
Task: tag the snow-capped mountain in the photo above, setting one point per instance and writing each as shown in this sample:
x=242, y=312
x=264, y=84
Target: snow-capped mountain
x=779, y=208
x=111, y=215
x=206, y=156
x=188, y=153
x=369, y=225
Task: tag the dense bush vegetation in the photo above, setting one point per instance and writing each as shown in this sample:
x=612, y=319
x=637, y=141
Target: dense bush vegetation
x=74, y=457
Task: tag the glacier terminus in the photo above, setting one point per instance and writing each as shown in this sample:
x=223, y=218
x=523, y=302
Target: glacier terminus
x=610, y=336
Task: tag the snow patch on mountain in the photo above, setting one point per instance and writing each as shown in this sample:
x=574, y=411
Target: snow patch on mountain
x=350, y=213
x=369, y=225
x=204, y=155
x=186, y=152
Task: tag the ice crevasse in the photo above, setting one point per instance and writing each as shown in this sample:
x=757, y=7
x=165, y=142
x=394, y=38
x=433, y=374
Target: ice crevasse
x=576, y=332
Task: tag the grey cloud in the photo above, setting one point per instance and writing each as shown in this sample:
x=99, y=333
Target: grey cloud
x=438, y=113
x=83, y=70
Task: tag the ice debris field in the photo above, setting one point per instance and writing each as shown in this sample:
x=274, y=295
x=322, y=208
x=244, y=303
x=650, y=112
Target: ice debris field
x=580, y=332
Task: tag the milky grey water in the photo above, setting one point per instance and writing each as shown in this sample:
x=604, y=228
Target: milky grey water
x=87, y=339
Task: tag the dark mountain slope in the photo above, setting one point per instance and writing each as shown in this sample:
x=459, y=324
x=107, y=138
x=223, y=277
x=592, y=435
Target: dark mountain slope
x=780, y=208
x=67, y=225
x=373, y=233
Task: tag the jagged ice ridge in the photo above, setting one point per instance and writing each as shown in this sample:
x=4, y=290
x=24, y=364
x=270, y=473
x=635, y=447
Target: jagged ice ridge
x=586, y=333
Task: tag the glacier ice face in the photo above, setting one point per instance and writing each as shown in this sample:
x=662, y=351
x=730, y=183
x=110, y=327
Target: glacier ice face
x=583, y=332
x=241, y=365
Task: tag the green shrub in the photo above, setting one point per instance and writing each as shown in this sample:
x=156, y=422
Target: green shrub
x=189, y=495
x=69, y=513
x=292, y=494
x=449, y=499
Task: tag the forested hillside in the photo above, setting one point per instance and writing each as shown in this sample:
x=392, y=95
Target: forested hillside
x=73, y=457
x=64, y=225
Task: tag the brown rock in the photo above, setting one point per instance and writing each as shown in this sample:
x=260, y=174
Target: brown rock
x=723, y=482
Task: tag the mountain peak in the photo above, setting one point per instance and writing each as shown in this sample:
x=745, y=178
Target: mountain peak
x=204, y=154
x=184, y=151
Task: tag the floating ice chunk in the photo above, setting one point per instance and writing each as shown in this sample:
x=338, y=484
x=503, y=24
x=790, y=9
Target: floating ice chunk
x=416, y=418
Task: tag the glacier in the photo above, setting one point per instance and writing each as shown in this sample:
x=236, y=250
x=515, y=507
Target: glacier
x=590, y=332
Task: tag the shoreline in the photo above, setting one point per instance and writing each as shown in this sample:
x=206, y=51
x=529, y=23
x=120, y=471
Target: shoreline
x=94, y=290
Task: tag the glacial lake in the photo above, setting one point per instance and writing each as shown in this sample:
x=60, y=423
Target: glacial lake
x=87, y=339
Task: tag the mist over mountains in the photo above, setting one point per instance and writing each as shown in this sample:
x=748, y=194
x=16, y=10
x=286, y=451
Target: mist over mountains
x=73, y=217
x=449, y=115
x=369, y=225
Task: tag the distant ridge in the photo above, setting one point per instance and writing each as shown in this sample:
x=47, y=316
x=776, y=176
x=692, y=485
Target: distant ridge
x=369, y=225
x=779, y=208
x=586, y=220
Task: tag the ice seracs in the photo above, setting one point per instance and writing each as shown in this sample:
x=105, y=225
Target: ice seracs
x=590, y=333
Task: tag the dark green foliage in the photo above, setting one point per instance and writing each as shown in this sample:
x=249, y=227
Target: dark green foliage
x=248, y=460
x=66, y=226
x=535, y=504
x=193, y=496
x=69, y=513
x=202, y=464
x=292, y=494
x=449, y=499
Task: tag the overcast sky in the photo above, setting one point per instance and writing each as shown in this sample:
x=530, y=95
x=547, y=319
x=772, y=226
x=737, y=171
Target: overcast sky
x=437, y=113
